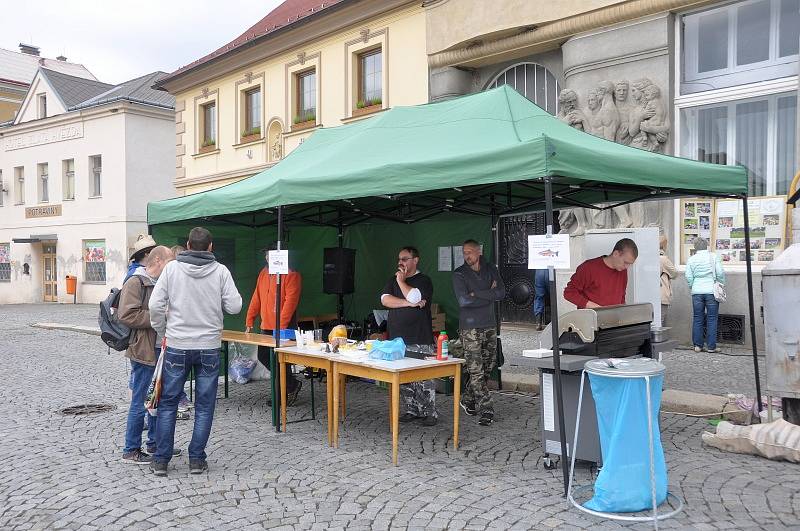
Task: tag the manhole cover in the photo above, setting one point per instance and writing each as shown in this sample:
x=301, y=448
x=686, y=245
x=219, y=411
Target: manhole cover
x=87, y=409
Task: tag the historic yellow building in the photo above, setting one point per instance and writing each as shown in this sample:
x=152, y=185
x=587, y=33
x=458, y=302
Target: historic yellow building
x=306, y=65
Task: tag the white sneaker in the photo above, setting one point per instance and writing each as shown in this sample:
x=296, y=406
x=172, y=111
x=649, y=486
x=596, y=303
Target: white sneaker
x=698, y=349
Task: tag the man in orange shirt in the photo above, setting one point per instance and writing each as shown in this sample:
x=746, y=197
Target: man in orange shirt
x=262, y=304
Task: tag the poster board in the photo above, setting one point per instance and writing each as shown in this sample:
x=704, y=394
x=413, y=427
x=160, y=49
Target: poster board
x=94, y=251
x=767, y=222
x=725, y=232
x=697, y=219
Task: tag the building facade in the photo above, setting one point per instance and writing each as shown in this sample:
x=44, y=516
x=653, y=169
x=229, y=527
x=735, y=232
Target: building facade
x=78, y=165
x=306, y=65
x=710, y=81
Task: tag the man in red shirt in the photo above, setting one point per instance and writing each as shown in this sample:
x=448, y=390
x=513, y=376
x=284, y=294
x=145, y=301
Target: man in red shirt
x=602, y=281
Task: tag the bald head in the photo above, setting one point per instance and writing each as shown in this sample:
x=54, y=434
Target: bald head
x=159, y=257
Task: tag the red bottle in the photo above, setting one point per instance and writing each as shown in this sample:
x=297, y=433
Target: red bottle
x=441, y=351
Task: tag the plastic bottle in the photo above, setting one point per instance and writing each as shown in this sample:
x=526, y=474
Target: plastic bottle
x=441, y=346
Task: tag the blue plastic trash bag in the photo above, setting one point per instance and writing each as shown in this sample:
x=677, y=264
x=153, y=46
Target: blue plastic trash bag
x=391, y=350
x=623, y=484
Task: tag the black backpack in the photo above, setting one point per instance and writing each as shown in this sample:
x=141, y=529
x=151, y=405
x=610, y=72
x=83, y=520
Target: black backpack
x=113, y=333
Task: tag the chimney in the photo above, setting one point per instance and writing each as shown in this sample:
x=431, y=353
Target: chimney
x=61, y=58
x=28, y=49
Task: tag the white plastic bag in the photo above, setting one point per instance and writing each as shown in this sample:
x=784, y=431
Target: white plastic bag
x=241, y=366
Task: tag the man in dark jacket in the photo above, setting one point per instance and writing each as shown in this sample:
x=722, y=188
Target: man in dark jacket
x=477, y=285
x=143, y=351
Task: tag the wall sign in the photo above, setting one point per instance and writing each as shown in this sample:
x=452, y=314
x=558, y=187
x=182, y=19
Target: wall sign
x=45, y=136
x=43, y=211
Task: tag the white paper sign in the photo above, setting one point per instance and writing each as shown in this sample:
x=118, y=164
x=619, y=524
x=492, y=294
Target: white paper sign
x=458, y=256
x=279, y=262
x=552, y=251
x=445, y=259
x=547, y=401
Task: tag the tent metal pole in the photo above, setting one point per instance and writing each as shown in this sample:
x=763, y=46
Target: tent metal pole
x=751, y=305
x=497, y=304
x=340, y=240
x=562, y=435
x=275, y=377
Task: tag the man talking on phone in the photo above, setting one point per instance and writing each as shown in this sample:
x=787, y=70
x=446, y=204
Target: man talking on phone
x=408, y=296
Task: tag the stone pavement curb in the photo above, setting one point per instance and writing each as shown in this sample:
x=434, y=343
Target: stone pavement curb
x=674, y=401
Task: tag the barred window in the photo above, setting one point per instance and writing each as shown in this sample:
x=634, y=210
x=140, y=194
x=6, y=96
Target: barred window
x=5, y=262
x=94, y=260
x=533, y=81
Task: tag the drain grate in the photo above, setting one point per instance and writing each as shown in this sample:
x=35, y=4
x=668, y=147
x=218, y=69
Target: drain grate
x=87, y=409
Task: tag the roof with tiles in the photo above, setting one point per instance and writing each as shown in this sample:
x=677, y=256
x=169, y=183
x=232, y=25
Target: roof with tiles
x=138, y=90
x=283, y=16
x=21, y=67
x=71, y=89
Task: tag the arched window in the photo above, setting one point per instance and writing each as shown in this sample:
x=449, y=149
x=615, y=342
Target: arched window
x=533, y=81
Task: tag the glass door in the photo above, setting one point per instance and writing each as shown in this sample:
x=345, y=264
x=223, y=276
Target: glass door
x=49, y=273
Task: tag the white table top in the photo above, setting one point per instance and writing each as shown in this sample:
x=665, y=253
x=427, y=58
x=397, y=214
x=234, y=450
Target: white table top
x=350, y=356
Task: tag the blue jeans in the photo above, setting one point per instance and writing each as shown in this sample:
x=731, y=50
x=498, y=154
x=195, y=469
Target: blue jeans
x=541, y=286
x=177, y=364
x=706, y=312
x=141, y=376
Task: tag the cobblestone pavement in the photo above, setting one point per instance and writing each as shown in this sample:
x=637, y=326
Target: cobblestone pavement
x=65, y=471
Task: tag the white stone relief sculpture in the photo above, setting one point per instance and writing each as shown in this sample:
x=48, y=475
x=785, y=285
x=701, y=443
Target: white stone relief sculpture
x=275, y=140
x=628, y=113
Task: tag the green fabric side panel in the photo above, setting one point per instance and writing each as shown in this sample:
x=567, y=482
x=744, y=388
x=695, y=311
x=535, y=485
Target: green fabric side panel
x=376, y=259
x=241, y=250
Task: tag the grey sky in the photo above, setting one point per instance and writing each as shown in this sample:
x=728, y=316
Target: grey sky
x=119, y=40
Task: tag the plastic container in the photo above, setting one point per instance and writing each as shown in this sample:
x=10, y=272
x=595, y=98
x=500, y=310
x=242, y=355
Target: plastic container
x=441, y=346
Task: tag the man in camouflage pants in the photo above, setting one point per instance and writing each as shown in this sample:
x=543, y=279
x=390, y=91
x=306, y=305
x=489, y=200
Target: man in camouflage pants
x=407, y=295
x=478, y=285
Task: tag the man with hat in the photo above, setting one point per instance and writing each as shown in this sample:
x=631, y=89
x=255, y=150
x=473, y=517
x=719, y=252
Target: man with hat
x=144, y=244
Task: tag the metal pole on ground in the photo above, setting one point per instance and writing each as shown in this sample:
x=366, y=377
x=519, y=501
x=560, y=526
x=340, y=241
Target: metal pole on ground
x=275, y=377
x=497, y=316
x=548, y=197
x=750, y=303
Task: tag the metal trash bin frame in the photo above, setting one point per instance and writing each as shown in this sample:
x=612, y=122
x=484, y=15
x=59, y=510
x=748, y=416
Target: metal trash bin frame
x=655, y=517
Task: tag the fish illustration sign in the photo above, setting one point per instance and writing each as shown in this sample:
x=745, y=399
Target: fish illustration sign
x=545, y=251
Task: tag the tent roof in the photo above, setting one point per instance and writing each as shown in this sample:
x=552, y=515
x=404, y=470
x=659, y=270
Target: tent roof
x=484, y=151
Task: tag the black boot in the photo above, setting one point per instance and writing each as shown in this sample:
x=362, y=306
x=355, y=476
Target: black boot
x=540, y=322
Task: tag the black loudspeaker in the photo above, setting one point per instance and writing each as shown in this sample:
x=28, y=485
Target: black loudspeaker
x=338, y=270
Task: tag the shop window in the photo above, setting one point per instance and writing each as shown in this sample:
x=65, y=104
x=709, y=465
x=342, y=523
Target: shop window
x=739, y=43
x=370, y=78
x=68, y=179
x=5, y=262
x=306, y=97
x=758, y=133
x=19, y=185
x=94, y=260
x=533, y=81
x=44, y=187
x=96, y=167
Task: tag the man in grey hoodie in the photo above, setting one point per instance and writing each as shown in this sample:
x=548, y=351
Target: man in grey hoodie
x=197, y=290
x=478, y=285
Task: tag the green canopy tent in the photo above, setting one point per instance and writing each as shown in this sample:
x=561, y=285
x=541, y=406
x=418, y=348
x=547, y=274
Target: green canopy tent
x=489, y=154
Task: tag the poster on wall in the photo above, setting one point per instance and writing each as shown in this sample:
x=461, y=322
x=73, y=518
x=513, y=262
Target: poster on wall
x=5, y=253
x=94, y=251
x=697, y=216
x=767, y=221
